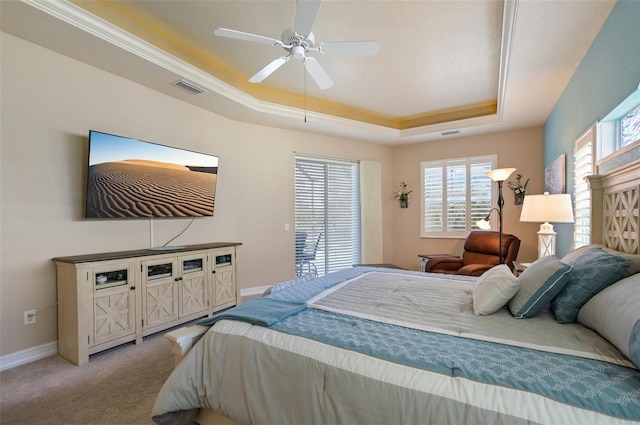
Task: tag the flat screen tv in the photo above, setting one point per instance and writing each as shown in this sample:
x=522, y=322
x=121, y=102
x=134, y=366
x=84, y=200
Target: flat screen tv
x=129, y=178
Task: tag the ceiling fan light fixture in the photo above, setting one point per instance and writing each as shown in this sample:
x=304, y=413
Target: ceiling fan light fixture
x=298, y=40
x=297, y=52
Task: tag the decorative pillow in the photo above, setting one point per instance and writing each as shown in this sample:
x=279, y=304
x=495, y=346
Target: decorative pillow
x=576, y=253
x=493, y=289
x=572, y=256
x=614, y=314
x=539, y=284
x=592, y=272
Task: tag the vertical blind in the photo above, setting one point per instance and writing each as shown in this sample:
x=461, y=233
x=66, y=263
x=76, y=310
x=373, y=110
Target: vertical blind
x=456, y=193
x=327, y=213
x=582, y=167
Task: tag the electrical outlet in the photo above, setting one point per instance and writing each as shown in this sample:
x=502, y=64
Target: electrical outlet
x=30, y=317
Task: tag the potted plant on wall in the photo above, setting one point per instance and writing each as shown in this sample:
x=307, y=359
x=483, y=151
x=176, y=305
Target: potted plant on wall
x=519, y=189
x=403, y=195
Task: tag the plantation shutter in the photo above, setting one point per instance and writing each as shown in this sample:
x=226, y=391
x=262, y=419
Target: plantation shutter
x=456, y=183
x=482, y=192
x=582, y=167
x=456, y=193
x=327, y=213
x=434, y=196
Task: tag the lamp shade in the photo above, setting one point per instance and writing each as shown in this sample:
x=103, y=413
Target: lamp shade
x=483, y=224
x=500, y=174
x=555, y=208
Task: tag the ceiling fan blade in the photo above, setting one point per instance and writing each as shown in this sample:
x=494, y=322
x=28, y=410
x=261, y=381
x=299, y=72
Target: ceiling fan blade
x=318, y=74
x=364, y=48
x=239, y=35
x=306, y=11
x=269, y=69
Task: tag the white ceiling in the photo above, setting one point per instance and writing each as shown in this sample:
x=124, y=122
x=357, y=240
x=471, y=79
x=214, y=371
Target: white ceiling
x=444, y=65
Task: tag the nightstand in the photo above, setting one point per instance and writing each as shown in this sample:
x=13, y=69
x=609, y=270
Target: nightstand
x=519, y=267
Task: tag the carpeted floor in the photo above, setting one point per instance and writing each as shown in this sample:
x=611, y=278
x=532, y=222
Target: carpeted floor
x=117, y=387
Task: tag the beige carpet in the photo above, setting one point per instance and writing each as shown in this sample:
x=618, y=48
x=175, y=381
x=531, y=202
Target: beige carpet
x=118, y=386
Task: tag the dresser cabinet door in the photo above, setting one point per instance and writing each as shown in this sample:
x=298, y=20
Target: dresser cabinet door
x=114, y=306
x=160, y=303
x=192, y=285
x=224, y=281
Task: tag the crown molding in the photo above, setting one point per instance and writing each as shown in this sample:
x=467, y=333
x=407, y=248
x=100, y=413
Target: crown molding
x=104, y=30
x=508, y=31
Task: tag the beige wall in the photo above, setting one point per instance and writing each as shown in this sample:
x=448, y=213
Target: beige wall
x=47, y=111
x=521, y=149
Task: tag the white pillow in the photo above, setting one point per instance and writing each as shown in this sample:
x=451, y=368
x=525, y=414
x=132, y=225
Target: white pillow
x=615, y=314
x=493, y=290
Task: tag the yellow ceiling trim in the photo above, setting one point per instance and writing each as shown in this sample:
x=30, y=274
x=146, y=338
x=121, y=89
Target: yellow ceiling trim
x=448, y=115
x=154, y=31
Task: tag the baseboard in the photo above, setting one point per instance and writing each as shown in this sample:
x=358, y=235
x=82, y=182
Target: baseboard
x=40, y=352
x=29, y=355
x=253, y=292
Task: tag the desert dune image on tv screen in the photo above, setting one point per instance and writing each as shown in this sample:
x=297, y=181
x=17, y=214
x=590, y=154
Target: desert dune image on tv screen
x=128, y=178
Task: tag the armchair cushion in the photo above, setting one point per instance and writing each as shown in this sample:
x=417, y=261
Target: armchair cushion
x=475, y=269
x=444, y=264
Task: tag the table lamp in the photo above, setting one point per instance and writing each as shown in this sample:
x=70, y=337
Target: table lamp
x=543, y=209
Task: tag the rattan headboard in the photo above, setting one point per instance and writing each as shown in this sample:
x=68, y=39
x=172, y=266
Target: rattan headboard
x=615, y=206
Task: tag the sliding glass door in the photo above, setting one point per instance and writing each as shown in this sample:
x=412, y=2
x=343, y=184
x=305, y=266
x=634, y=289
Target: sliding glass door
x=327, y=215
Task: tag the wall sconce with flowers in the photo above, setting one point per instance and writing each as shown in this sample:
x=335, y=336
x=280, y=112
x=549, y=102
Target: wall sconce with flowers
x=519, y=189
x=403, y=195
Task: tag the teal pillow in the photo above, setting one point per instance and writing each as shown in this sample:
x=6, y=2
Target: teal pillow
x=539, y=284
x=635, y=258
x=592, y=272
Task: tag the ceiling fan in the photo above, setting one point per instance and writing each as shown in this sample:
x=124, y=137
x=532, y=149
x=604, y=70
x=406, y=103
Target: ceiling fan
x=299, y=40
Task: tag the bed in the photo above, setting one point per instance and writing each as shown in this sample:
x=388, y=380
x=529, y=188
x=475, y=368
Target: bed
x=558, y=344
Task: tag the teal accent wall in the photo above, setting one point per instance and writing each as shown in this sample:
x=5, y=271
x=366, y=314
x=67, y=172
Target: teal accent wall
x=609, y=72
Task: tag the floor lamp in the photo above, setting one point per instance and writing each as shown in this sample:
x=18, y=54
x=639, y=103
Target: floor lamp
x=543, y=209
x=498, y=175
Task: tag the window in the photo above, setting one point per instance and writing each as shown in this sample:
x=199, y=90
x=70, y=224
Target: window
x=621, y=127
x=327, y=214
x=583, y=166
x=619, y=130
x=455, y=194
x=630, y=127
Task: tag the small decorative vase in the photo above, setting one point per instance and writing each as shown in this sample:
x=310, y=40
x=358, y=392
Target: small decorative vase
x=404, y=204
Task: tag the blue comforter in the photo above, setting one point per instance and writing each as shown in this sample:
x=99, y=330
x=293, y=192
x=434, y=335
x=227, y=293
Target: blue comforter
x=586, y=383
